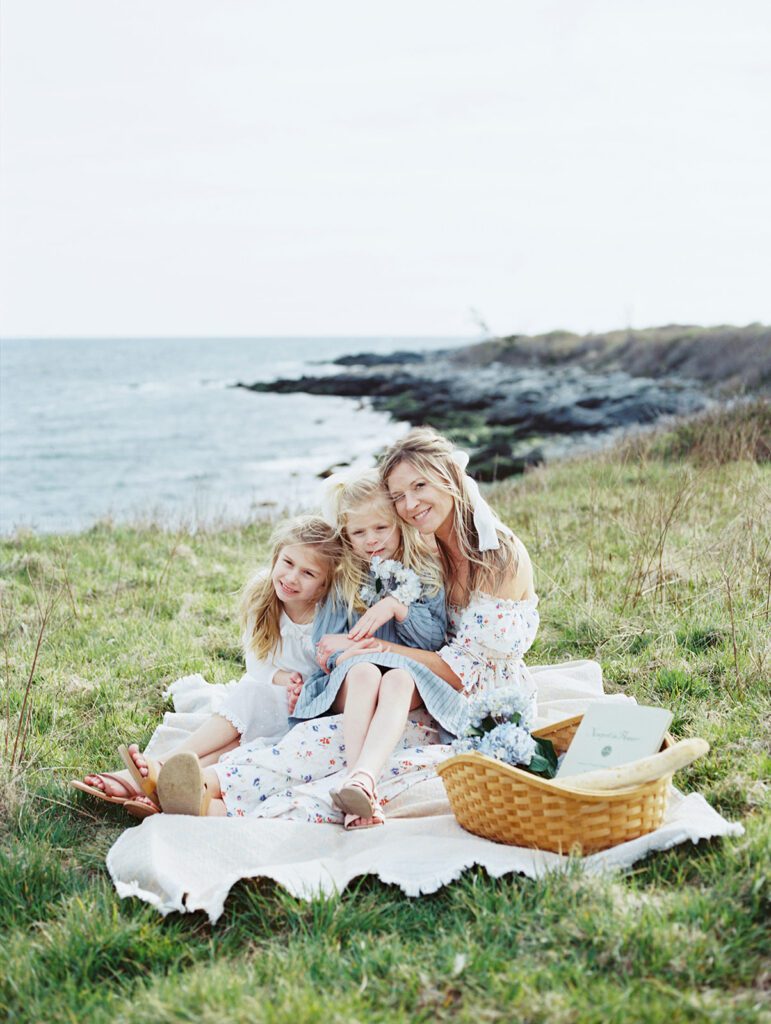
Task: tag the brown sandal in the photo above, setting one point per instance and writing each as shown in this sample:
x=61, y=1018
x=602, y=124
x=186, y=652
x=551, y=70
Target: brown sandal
x=181, y=786
x=135, y=807
x=147, y=783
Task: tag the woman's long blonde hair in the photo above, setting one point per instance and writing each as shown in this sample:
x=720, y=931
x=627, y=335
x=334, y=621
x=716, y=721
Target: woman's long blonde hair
x=260, y=606
x=431, y=455
x=359, y=493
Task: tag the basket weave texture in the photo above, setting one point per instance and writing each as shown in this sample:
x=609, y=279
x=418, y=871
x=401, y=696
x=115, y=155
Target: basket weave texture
x=499, y=802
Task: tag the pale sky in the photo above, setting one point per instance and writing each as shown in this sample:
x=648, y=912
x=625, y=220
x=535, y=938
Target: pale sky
x=293, y=167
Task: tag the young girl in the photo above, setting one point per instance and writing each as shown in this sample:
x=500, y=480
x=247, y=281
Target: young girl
x=277, y=612
x=389, y=587
x=375, y=690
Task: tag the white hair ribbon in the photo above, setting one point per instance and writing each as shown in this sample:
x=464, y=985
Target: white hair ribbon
x=331, y=487
x=486, y=522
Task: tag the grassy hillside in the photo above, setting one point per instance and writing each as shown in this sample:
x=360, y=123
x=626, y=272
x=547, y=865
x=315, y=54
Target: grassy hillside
x=731, y=359
x=653, y=559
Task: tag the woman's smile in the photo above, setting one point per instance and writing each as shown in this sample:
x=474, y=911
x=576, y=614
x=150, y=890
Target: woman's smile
x=417, y=501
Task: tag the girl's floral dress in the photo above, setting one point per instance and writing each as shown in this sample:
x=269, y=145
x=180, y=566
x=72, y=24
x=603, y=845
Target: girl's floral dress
x=291, y=779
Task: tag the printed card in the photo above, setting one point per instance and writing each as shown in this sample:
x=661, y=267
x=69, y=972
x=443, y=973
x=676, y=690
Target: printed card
x=614, y=733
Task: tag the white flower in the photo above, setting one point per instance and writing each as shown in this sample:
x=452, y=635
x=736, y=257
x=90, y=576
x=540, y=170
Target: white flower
x=394, y=581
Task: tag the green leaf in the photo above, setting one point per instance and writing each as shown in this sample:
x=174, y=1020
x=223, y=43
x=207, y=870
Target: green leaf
x=546, y=749
x=544, y=762
x=378, y=586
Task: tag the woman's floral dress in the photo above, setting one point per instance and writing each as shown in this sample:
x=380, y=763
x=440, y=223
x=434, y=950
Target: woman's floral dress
x=291, y=779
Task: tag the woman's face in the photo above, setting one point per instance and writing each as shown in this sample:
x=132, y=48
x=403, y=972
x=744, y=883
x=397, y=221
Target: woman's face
x=373, y=531
x=418, y=502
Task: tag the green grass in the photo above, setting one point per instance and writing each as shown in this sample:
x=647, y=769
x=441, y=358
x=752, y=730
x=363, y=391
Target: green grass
x=656, y=566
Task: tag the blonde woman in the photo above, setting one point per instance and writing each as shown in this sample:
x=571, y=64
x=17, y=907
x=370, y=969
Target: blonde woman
x=488, y=577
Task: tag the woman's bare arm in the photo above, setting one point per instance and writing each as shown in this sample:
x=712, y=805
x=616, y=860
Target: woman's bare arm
x=428, y=658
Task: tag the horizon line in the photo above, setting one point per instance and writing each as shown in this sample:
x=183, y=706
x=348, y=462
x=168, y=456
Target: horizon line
x=237, y=337
x=364, y=337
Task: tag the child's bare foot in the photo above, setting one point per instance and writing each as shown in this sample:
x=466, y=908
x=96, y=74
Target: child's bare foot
x=114, y=784
x=117, y=789
x=138, y=758
x=351, y=823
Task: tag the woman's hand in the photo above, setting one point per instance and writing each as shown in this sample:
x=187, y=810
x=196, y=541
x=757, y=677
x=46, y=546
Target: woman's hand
x=362, y=647
x=328, y=645
x=376, y=616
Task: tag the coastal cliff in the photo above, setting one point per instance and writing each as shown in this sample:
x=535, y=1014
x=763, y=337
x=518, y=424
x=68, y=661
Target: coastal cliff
x=520, y=400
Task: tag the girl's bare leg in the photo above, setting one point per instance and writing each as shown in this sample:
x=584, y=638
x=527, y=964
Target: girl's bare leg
x=217, y=808
x=357, y=699
x=209, y=741
x=397, y=696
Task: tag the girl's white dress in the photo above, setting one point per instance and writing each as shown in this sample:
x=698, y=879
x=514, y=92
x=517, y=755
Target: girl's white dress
x=291, y=779
x=255, y=705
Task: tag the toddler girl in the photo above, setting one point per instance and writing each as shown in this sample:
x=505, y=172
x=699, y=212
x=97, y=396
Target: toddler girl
x=388, y=588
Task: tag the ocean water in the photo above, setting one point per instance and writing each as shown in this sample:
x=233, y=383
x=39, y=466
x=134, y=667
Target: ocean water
x=131, y=429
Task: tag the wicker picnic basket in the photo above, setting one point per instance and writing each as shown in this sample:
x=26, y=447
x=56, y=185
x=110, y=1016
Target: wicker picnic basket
x=499, y=802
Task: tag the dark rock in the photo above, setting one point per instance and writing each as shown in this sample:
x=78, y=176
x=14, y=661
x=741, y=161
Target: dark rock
x=497, y=462
x=494, y=408
x=373, y=359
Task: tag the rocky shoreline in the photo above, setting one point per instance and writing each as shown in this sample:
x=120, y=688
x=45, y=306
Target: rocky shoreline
x=518, y=402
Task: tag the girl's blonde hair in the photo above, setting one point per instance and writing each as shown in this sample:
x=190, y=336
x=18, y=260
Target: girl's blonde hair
x=431, y=456
x=363, y=492
x=260, y=606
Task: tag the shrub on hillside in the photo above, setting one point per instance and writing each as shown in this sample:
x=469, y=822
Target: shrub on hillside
x=738, y=432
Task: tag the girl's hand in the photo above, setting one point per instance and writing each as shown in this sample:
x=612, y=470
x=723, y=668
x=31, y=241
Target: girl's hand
x=362, y=647
x=284, y=678
x=376, y=616
x=293, y=692
x=328, y=645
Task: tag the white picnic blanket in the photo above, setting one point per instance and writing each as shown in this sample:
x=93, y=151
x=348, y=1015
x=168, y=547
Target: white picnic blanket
x=188, y=864
x=179, y=863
